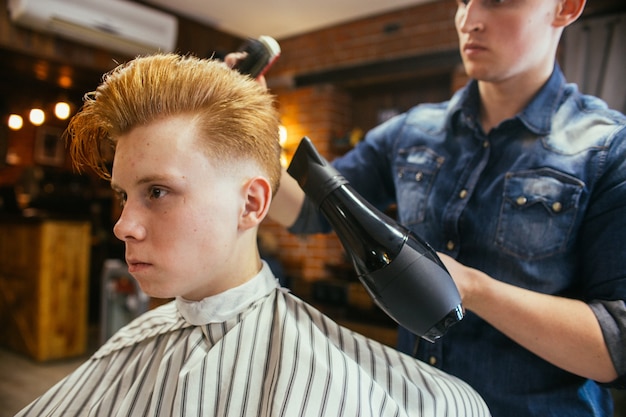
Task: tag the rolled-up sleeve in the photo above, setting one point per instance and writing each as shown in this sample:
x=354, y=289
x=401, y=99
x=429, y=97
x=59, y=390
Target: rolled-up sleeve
x=612, y=318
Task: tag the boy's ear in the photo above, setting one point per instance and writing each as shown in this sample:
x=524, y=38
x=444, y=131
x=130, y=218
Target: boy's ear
x=257, y=194
x=568, y=11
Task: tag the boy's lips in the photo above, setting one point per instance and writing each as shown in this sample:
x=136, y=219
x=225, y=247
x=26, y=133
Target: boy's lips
x=135, y=265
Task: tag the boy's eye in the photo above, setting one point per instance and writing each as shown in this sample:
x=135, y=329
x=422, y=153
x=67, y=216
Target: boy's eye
x=485, y=2
x=156, y=192
x=121, y=198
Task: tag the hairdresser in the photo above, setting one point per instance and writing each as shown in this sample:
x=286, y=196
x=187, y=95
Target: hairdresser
x=519, y=182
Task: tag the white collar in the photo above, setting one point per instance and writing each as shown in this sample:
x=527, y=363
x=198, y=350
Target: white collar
x=221, y=307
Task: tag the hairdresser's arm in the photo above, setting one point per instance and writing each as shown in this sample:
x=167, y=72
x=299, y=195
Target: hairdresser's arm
x=563, y=331
x=287, y=202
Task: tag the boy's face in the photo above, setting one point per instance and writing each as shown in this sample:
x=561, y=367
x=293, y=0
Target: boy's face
x=502, y=39
x=180, y=220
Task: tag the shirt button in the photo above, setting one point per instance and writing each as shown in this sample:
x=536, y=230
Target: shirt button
x=485, y=144
x=419, y=176
x=450, y=245
x=463, y=194
x=556, y=206
x=521, y=200
x=432, y=360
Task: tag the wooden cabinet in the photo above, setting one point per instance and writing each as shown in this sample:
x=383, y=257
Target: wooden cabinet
x=44, y=276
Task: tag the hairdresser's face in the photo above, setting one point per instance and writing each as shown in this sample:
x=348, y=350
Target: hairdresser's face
x=179, y=220
x=502, y=39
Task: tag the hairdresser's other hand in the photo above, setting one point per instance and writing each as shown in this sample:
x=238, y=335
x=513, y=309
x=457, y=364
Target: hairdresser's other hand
x=535, y=320
x=234, y=57
x=465, y=278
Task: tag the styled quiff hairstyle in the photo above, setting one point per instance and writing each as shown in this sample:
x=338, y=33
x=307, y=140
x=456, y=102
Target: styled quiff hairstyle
x=236, y=117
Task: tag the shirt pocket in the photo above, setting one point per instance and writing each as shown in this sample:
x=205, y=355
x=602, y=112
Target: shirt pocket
x=538, y=212
x=416, y=169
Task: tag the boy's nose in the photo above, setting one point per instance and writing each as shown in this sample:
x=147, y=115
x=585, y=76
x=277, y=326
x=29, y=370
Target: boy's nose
x=128, y=226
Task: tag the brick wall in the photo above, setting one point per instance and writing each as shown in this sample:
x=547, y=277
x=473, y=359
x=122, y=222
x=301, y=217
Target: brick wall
x=408, y=32
x=314, y=112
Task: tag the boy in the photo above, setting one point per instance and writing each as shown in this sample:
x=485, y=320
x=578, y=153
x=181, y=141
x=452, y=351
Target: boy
x=196, y=164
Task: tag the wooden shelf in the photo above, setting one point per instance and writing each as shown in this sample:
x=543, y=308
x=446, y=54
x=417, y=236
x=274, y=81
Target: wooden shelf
x=44, y=275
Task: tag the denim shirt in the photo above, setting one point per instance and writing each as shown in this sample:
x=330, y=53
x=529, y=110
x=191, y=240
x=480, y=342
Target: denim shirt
x=539, y=202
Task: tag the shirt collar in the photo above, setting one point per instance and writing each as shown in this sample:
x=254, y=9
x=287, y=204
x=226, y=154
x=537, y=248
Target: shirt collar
x=221, y=307
x=536, y=116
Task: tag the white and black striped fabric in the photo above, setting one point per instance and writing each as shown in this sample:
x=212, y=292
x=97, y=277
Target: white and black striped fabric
x=256, y=350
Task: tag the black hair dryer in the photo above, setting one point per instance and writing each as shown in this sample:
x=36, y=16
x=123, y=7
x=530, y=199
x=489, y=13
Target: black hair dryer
x=401, y=272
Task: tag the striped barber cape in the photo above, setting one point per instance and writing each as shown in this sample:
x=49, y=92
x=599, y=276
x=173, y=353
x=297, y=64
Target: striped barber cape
x=255, y=350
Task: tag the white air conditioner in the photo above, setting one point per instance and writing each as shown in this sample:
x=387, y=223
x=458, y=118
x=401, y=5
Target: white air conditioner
x=117, y=25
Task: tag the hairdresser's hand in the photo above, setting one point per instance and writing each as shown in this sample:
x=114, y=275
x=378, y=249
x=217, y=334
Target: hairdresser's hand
x=234, y=57
x=465, y=278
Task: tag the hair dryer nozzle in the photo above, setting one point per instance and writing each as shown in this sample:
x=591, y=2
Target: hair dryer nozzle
x=314, y=174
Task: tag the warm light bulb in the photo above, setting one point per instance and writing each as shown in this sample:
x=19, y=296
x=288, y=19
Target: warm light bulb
x=282, y=135
x=37, y=117
x=62, y=110
x=15, y=122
